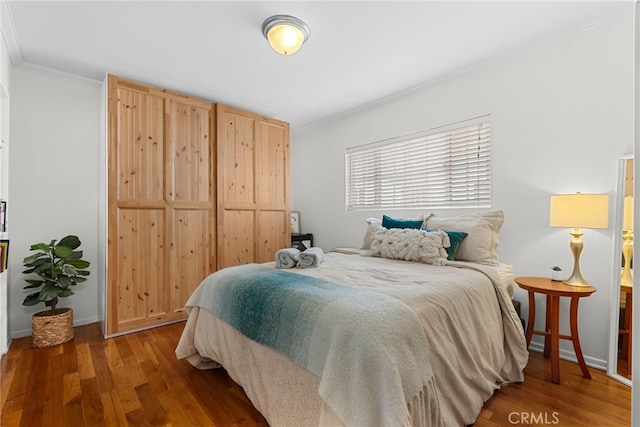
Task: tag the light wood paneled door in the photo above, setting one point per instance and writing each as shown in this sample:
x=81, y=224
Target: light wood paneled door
x=253, y=187
x=161, y=203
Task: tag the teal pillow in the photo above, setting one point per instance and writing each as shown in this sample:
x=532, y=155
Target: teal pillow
x=388, y=222
x=455, y=238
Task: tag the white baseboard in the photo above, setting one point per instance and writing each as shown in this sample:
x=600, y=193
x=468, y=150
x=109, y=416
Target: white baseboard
x=571, y=356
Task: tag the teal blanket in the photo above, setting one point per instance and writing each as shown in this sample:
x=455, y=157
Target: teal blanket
x=369, y=349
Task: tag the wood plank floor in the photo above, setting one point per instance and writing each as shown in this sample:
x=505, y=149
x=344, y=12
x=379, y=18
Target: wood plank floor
x=135, y=380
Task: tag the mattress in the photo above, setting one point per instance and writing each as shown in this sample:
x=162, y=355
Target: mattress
x=475, y=341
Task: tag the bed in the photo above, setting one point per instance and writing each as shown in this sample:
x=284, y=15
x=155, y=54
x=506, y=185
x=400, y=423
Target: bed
x=459, y=339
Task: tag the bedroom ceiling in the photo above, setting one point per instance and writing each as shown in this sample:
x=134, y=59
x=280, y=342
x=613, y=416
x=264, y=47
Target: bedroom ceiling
x=358, y=52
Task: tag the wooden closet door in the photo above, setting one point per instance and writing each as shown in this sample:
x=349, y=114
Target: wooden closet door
x=137, y=207
x=191, y=196
x=253, y=187
x=272, y=188
x=160, y=204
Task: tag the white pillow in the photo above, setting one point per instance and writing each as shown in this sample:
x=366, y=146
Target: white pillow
x=483, y=230
x=409, y=244
x=372, y=223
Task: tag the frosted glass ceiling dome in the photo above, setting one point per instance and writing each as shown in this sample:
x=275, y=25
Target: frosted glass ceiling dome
x=285, y=33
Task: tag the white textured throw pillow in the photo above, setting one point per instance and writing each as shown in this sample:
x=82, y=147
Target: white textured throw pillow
x=409, y=245
x=372, y=224
x=483, y=230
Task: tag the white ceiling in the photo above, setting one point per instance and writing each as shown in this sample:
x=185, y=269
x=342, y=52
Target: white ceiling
x=358, y=52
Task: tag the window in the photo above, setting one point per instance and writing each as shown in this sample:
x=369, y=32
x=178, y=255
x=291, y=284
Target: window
x=438, y=168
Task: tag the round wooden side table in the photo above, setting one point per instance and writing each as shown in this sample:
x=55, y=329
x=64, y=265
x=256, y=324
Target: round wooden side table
x=554, y=290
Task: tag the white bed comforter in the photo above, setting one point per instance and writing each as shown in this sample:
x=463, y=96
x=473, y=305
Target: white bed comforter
x=475, y=340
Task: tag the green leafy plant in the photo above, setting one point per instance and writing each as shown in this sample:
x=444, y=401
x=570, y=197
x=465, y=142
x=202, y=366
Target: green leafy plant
x=59, y=267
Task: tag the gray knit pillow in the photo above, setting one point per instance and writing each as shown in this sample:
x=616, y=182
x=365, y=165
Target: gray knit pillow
x=409, y=245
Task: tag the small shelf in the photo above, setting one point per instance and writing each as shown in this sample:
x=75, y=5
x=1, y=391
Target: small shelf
x=298, y=239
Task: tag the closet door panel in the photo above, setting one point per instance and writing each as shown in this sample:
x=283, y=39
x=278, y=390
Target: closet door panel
x=191, y=151
x=237, y=242
x=141, y=265
x=272, y=164
x=236, y=171
x=191, y=196
x=140, y=147
x=273, y=234
x=191, y=253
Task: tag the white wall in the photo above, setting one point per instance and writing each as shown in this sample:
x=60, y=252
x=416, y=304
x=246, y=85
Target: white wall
x=561, y=116
x=54, y=176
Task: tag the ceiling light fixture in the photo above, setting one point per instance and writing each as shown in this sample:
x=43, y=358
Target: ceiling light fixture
x=285, y=33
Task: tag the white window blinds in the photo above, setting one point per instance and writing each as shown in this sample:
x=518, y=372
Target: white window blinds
x=437, y=168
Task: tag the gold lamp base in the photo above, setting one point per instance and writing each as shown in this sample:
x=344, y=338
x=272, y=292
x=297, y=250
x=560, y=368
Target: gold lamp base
x=576, y=246
x=627, y=255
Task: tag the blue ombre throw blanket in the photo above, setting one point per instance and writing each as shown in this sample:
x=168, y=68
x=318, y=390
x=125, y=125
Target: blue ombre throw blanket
x=369, y=349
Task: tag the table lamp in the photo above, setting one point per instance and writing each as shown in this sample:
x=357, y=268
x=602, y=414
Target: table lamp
x=578, y=211
x=627, y=245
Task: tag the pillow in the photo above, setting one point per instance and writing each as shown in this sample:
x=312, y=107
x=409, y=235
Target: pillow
x=483, y=230
x=372, y=223
x=410, y=245
x=388, y=222
x=455, y=237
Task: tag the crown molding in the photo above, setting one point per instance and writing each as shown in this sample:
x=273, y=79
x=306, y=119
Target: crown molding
x=468, y=69
x=9, y=34
x=7, y=28
x=27, y=66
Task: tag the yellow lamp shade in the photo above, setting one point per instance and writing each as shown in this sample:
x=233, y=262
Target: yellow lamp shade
x=579, y=211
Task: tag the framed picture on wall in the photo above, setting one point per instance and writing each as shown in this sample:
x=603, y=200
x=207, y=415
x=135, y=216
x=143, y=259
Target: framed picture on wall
x=4, y=254
x=295, y=222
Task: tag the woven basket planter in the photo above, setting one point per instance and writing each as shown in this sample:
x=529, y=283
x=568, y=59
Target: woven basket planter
x=50, y=330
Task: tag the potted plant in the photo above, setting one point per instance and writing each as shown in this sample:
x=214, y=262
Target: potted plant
x=59, y=266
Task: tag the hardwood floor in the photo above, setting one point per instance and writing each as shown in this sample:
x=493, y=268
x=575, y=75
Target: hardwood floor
x=576, y=401
x=135, y=380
